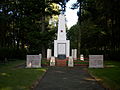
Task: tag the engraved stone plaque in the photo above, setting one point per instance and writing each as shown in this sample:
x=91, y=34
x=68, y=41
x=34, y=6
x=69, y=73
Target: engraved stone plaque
x=95, y=61
x=33, y=61
x=61, y=49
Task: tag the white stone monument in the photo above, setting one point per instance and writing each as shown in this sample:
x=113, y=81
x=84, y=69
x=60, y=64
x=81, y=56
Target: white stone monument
x=82, y=57
x=74, y=54
x=70, y=62
x=61, y=45
x=95, y=61
x=49, y=53
x=33, y=61
x=52, y=61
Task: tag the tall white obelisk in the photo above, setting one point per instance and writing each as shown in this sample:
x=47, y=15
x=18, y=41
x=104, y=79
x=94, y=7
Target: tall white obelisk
x=61, y=45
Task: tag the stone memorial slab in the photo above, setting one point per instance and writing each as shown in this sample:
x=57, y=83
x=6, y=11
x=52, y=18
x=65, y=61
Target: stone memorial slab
x=49, y=53
x=52, y=61
x=95, y=61
x=33, y=61
x=61, y=49
x=70, y=62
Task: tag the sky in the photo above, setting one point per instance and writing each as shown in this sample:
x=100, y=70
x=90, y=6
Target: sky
x=71, y=15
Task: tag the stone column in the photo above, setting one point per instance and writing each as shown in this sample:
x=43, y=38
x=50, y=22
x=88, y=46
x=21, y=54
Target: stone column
x=74, y=54
x=49, y=53
x=40, y=55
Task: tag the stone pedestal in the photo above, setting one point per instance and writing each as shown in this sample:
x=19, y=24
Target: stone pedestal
x=49, y=53
x=61, y=48
x=52, y=61
x=70, y=62
x=82, y=57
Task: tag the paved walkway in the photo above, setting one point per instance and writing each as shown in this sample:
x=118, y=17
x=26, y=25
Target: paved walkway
x=64, y=78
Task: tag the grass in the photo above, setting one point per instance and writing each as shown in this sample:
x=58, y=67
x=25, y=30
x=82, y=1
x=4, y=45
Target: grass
x=12, y=78
x=108, y=76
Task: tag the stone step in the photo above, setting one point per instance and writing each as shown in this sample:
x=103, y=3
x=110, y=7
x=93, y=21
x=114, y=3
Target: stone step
x=61, y=63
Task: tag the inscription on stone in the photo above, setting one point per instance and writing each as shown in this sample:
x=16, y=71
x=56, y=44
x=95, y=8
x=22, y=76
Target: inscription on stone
x=61, y=49
x=33, y=61
x=95, y=61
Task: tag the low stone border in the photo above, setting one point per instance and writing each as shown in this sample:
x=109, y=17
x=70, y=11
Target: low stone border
x=20, y=66
x=99, y=81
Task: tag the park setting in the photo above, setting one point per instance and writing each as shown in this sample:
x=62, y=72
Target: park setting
x=59, y=45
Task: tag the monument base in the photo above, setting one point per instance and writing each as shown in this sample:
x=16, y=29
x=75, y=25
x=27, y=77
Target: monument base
x=61, y=56
x=61, y=63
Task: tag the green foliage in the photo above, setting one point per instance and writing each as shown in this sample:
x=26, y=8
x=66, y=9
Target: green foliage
x=98, y=28
x=12, y=53
x=114, y=55
x=26, y=23
x=72, y=35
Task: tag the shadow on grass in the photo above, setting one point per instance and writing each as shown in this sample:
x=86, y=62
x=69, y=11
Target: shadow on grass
x=18, y=78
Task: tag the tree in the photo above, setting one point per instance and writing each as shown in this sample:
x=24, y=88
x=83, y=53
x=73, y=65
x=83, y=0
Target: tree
x=99, y=24
x=25, y=23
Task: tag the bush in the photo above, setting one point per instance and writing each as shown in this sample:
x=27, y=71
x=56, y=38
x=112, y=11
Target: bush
x=34, y=52
x=108, y=54
x=12, y=53
x=114, y=55
x=3, y=54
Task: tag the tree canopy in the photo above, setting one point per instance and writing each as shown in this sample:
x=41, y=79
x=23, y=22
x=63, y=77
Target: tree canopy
x=99, y=24
x=25, y=24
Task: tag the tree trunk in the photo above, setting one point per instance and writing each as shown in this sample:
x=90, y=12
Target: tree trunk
x=79, y=34
x=43, y=30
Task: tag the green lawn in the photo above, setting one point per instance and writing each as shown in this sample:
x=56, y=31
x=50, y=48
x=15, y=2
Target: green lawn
x=108, y=76
x=12, y=78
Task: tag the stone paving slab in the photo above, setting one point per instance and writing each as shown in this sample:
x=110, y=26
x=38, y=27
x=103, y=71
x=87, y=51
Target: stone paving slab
x=64, y=78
